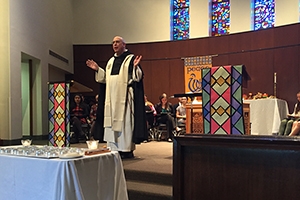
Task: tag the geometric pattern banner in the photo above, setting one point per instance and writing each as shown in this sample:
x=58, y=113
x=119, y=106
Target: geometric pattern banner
x=59, y=115
x=222, y=100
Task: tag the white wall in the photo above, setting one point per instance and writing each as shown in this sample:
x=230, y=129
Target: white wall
x=55, y=74
x=97, y=21
x=35, y=28
x=240, y=16
x=287, y=12
x=5, y=70
x=199, y=18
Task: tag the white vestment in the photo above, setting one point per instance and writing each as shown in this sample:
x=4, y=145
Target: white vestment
x=119, y=105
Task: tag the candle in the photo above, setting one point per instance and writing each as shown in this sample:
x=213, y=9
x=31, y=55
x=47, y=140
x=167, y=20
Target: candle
x=275, y=79
x=26, y=142
x=93, y=144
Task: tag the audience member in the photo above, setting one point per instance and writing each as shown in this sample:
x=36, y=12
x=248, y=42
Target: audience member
x=181, y=112
x=93, y=115
x=85, y=103
x=150, y=112
x=79, y=113
x=176, y=105
x=290, y=125
x=165, y=112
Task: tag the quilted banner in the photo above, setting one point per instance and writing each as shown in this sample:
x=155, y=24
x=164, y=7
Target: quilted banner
x=59, y=115
x=222, y=100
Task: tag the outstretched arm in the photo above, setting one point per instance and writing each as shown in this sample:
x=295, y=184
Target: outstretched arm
x=100, y=73
x=136, y=61
x=137, y=74
x=92, y=64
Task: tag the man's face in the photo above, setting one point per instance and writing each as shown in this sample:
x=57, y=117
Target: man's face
x=118, y=45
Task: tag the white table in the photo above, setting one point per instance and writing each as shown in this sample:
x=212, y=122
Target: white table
x=87, y=178
x=266, y=115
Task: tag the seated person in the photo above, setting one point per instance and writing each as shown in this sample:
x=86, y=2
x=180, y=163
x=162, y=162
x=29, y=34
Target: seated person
x=164, y=115
x=176, y=105
x=295, y=128
x=289, y=125
x=79, y=113
x=150, y=112
x=181, y=112
x=93, y=115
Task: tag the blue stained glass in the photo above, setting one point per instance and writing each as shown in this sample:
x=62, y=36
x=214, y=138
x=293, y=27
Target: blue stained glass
x=264, y=14
x=177, y=4
x=220, y=17
x=180, y=19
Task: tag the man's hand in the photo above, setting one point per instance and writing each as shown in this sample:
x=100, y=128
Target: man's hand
x=92, y=64
x=136, y=61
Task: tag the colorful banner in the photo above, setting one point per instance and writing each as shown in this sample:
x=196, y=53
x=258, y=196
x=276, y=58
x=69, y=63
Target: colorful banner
x=59, y=115
x=192, y=72
x=222, y=100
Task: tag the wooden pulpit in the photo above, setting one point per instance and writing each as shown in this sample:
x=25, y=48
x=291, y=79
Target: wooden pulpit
x=194, y=118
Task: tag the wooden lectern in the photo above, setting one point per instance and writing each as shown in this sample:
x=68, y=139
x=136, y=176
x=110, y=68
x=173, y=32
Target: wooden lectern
x=194, y=118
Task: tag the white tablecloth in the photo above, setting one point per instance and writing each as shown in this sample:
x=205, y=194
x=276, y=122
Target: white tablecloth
x=266, y=115
x=87, y=178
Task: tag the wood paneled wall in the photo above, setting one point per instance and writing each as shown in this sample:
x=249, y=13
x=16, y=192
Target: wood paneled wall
x=235, y=167
x=262, y=52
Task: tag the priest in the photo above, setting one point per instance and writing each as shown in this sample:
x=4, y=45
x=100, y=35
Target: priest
x=124, y=108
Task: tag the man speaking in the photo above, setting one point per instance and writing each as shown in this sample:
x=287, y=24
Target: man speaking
x=124, y=107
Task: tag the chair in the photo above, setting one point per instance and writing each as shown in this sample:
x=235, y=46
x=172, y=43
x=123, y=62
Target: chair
x=85, y=128
x=160, y=130
x=150, y=124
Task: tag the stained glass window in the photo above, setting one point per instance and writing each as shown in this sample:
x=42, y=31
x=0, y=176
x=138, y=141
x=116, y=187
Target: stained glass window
x=220, y=17
x=264, y=14
x=180, y=17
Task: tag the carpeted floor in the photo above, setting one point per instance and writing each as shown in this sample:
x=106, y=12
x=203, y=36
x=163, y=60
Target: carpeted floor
x=149, y=174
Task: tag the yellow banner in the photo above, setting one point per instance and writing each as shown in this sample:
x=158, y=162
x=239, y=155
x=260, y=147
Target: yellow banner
x=192, y=72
